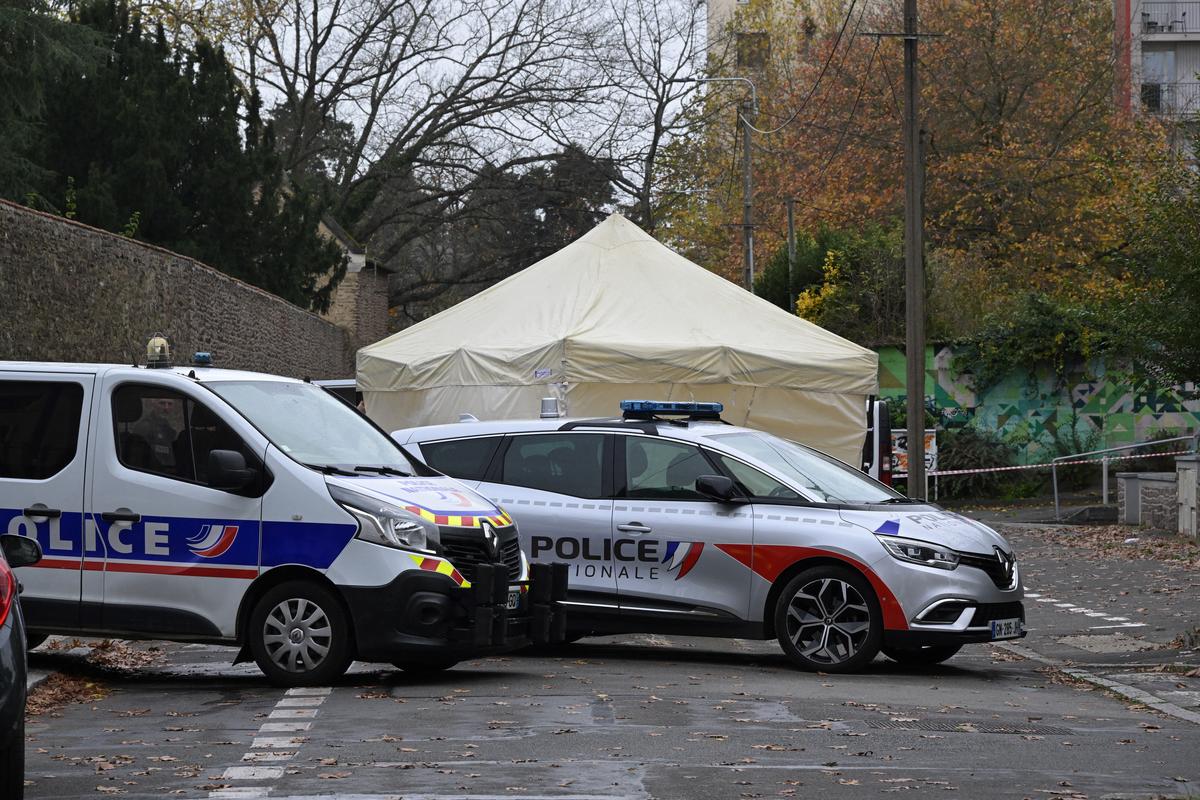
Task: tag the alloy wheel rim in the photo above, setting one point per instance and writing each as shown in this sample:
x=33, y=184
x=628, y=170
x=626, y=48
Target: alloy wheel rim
x=828, y=621
x=297, y=635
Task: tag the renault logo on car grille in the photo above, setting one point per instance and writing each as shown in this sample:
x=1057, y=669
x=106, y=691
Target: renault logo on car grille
x=491, y=540
x=1006, y=562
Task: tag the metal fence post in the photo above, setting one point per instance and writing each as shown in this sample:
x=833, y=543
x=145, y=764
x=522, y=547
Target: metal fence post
x=1054, y=480
x=1104, y=480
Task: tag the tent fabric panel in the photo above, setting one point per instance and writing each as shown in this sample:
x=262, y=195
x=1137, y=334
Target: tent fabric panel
x=831, y=423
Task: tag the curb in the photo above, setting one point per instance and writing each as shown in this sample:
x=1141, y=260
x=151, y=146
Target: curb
x=35, y=678
x=1126, y=691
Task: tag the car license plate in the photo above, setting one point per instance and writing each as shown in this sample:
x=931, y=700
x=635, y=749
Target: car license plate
x=514, y=599
x=1006, y=628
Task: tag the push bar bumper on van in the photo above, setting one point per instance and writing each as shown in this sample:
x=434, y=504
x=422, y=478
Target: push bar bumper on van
x=427, y=615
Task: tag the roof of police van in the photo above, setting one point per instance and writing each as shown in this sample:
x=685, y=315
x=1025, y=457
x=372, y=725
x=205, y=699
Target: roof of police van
x=210, y=374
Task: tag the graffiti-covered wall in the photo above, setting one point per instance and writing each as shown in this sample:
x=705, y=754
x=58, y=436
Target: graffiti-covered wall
x=1101, y=405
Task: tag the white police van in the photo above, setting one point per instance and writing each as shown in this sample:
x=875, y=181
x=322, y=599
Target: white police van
x=209, y=505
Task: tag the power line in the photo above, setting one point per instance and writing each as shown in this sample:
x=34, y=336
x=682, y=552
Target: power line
x=813, y=90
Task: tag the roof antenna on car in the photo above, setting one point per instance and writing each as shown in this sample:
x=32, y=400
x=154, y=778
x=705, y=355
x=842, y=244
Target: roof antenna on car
x=465, y=417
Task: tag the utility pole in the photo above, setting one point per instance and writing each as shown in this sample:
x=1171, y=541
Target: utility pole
x=745, y=112
x=914, y=266
x=791, y=212
x=747, y=198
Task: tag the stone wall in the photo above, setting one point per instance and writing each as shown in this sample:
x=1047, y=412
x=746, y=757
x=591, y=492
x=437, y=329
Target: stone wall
x=69, y=292
x=359, y=307
x=1149, y=499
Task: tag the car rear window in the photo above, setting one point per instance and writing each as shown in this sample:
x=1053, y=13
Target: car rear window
x=466, y=459
x=563, y=463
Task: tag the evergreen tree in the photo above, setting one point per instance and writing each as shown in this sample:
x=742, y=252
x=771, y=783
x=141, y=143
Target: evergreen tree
x=150, y=142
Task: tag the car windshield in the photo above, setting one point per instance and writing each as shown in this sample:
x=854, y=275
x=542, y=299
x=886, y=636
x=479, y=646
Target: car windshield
x=313, y=427
x=823, y=478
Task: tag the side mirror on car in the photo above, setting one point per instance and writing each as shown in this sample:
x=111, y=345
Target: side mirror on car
x=20, y=551
x=718, y=487
x=227, y=470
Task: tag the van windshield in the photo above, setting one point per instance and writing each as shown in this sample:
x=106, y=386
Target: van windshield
x=825, y=479
x=314, y=428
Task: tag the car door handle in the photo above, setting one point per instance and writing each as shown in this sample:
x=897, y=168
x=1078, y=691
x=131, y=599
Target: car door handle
x=121, y=516
x=634, y=527
x=45, y=513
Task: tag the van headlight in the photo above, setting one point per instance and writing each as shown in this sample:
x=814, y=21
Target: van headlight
x=386, y=524
x=917, y=552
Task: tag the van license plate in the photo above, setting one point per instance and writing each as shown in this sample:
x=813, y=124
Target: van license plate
x=1006, y=628
x=514, y=600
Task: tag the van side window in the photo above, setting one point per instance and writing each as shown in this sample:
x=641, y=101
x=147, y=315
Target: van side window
x=166, y=433
x=563, y=463
x=467, y=459
x=657, y=469
x=39, y=427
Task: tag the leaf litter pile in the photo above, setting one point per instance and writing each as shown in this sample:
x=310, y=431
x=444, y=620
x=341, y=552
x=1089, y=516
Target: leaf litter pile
x=60, y=690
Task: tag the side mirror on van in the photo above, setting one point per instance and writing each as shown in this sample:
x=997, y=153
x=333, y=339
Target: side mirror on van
x=20, y=551
x=718, y=487
x=227, y=470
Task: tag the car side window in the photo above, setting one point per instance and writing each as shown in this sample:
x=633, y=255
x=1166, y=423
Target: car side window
x=563, y=463
x=39, y=427
x=467, y=459
x=660, y=469
x=165, y=433
x=755, y=483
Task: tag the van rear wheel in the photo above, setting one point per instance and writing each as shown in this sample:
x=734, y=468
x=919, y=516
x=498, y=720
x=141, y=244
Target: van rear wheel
x=300, y=635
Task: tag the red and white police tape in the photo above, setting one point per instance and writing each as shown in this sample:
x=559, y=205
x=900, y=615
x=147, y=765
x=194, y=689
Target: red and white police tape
x=940, y=473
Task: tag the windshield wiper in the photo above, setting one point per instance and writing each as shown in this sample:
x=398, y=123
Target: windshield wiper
x=330, y=469
x=897, y=500
x=383, y=470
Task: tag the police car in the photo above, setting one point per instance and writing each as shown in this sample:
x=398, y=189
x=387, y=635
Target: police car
x=209, y=505
x=672, y=521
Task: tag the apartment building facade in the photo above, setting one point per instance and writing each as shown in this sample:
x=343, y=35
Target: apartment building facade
x=1158, y=50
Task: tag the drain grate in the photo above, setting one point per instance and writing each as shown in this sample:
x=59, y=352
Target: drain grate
x=966, y=726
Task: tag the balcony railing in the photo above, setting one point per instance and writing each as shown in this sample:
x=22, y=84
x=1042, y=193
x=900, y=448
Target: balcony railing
x=1170, y=17
x=1171, y=98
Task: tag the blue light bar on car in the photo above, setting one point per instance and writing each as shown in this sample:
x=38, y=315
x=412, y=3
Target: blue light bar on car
x=670, y=407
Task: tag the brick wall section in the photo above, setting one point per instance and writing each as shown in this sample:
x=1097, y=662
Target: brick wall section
x=359, y=307
x=69, y=292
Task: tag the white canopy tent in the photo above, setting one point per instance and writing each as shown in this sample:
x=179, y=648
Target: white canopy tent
x=616, y=315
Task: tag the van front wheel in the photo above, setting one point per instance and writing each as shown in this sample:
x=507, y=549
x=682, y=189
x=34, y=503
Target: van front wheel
x=300, y=635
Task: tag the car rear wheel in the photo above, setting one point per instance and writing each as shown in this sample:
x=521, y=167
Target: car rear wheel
x=12, y=765
x=828, y=620
x=431, y=667
x=300, y=635
x=922, y=656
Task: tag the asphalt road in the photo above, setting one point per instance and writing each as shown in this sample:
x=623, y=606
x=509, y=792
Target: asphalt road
x=644, y=716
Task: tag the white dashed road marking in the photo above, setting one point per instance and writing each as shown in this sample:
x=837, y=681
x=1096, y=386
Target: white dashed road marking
x=271, y=749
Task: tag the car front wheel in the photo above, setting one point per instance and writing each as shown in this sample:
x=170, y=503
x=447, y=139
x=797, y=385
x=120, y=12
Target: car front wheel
x=300, y=635
x=828, y=620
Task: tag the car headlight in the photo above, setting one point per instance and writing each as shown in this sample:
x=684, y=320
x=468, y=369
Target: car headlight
x=917, y=552
x=386, y=524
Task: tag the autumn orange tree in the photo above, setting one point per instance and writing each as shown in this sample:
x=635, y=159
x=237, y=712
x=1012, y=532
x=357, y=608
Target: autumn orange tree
x=1032, y=171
